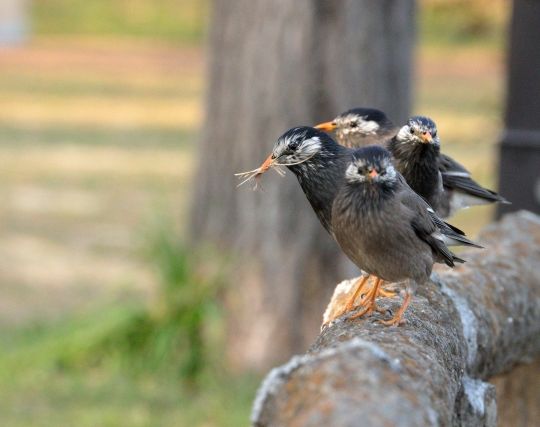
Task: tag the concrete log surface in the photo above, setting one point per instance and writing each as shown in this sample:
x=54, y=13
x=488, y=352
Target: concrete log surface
x=467, y=325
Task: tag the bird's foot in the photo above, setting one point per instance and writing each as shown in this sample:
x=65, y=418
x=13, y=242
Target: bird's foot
x=366, y=310
x=381, y=292
x=369, y=301
x=383, y=310
x=398, y=318
x=394, y=321
x=351, y=301
x=386, y=294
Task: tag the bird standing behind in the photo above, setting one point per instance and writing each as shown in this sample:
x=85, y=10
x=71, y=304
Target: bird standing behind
x=445, y=183
x=385, y=228
x=360, y=127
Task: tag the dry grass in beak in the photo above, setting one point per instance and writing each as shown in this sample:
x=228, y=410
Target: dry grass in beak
x=256, y=173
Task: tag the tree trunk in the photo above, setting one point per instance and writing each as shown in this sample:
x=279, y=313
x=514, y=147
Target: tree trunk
x=274, y=64
x=520, y=145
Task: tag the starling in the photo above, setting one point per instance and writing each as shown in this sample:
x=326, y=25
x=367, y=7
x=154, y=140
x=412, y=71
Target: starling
x=360, y=127
x=443, y=182
x=319, y=164
x=387, y=229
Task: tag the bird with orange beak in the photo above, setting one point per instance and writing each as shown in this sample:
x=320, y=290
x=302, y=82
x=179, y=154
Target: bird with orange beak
x=360, y=127
x=416, y=148
x=445, y=184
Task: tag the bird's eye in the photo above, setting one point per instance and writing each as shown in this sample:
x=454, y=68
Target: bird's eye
x=434, y=134
x=411, y=130
x=293, y=146
x=354, y=124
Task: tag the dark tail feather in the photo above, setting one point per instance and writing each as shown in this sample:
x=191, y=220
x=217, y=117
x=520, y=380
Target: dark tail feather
x=450, y=259
x=455, y=229
x=460, y=260
x=458, y=240
x=471, y=187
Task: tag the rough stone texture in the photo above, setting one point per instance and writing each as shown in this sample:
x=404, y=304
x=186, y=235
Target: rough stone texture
x=466, y=326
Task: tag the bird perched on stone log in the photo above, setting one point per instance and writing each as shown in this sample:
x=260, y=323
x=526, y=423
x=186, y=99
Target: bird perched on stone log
x=385, y=228
x=443, y=182
x=319, y=164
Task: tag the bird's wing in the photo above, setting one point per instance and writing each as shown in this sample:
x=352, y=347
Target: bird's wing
x=456, y=177
x=451, y=235
x=425, y=226
x=449, y=166
x=465, y=184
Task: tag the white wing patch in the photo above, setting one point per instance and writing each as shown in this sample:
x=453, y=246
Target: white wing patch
x=455, y=173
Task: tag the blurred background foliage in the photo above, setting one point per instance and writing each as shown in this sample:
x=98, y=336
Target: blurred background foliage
x=175, y=20
x=107, y=318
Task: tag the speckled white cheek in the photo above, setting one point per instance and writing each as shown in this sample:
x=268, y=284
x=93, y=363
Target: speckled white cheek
x=370, y=127
x=352, y=175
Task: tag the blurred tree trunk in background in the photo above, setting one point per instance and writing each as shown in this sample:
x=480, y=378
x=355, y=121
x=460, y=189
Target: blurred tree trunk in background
x=274, y=64
x=520, y=145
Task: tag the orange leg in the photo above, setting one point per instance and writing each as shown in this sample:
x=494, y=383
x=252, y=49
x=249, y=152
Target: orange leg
x=397, y=319
x=370, y=299
x=360, y=284
x=383, y=293
x=386, y=294
x=350, y=305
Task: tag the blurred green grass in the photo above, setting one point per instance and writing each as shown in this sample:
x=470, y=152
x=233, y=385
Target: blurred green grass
x=38, y=389
x=97, y=137
x=175, y=20
x=137, y=364
x=463, y=22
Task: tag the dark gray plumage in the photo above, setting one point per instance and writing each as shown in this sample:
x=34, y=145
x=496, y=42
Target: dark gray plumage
x=443, y=182
x=318, y=163
x=446, y=184
x=416, y=151
x=385, y=228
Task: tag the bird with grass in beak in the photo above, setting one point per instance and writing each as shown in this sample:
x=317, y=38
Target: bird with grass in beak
x=316, y=160
x=319, y=164
x=450, y=186
x=387, y=229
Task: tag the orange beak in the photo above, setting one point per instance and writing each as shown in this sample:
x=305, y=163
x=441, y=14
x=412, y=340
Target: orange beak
x=426, y=138
x=326, y=126
x=373, y=173
x=267, y=164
